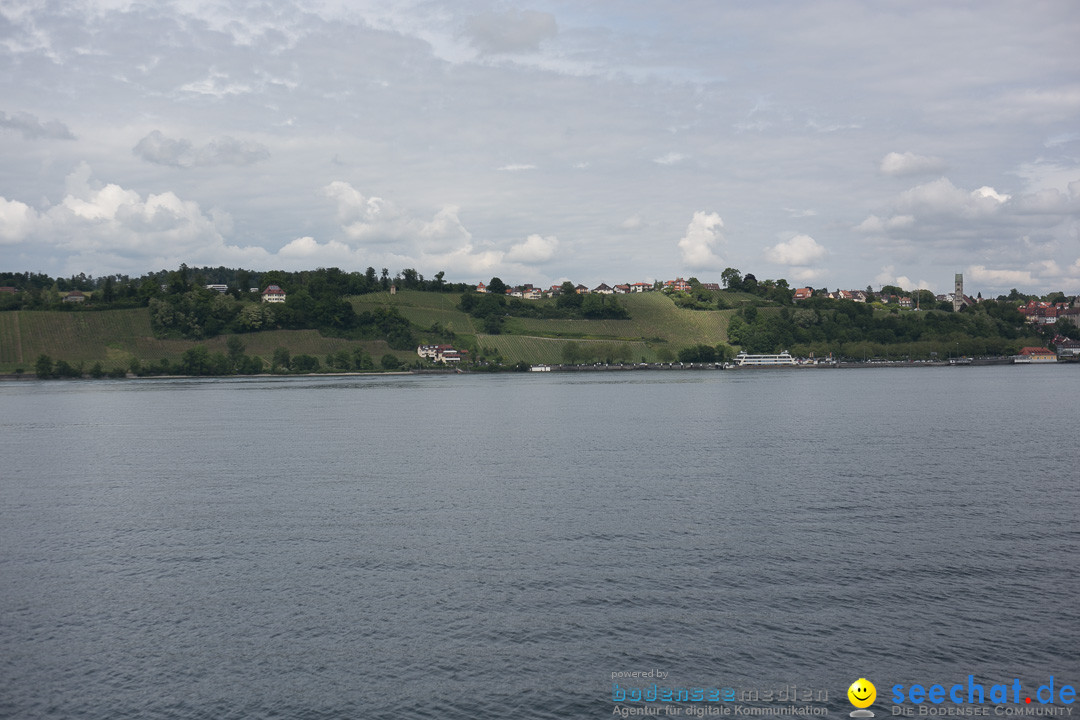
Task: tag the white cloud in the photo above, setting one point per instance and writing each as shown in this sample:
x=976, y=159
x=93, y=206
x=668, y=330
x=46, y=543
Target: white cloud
x=535, y=249
x=216, y=84
x=377, y=221
x=375, y=225
x=908, y=163
x=938, y=211
x=517, y=168
x=306, y=248
x=887, y=276
x=941, y=197
x=634, y=222
x=105, y=227
x=998, y=278
x=805, y=274
x=17, y=220
x=671, y=158
x=990, y=193
x=874, y=224
x=702, y=236
x=799, y=250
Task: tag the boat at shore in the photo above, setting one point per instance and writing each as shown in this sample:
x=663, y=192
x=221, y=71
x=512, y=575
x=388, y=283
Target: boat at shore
x=782, y=359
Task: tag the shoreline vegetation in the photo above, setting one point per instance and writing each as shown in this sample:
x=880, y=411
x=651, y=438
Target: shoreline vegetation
x=846, y=365
x=214, y=322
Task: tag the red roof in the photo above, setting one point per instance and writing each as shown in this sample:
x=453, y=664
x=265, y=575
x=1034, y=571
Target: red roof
x=1036, y=351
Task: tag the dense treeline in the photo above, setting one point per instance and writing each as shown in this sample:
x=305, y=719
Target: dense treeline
x=201, y=313
x=37, y=291
x=494, y=305
x=181, y=306
x=821, y=326
x=200, y=361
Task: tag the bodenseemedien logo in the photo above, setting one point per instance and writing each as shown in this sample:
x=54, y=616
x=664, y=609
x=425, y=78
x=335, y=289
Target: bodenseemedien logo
x=862, y=694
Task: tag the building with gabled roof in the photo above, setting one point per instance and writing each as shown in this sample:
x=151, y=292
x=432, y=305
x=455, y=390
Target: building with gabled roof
x=1035, y=355
x=273, y=294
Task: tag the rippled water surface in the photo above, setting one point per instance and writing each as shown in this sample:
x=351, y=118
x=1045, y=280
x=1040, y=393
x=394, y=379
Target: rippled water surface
x=498, y=546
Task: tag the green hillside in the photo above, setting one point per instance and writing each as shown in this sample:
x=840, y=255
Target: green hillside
x=115, y=337
x=656, y=331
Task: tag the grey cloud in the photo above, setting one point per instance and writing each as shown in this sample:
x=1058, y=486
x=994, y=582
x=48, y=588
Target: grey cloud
x=161, y=150
x=898, y=164
x=32, y=128
x=510, y=32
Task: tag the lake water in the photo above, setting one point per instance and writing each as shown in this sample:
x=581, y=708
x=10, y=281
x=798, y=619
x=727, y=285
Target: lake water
x=480, y=546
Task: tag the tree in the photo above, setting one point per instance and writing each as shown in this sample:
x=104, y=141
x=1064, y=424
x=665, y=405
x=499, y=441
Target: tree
x=179, y=281
x=732, y=279
x=108, y=292
x=573, y=353
x=195, y=361
x=304, y=364
x=389, y=362
x=1066, y=328
x=924, y=299
x=280, y=360
x=698, y=353
x=43, y=366
x=593, y=306
x=496, y=287
x=235, y=347
x=362, y=361
x=243, y=281
x=64, y=369
x=568, y=296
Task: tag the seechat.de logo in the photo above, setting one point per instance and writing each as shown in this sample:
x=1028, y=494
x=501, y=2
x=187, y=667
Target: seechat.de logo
x=862, y=694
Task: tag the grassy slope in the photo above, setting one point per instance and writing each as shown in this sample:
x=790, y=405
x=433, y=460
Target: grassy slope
x=115, y=337
x=654, y=323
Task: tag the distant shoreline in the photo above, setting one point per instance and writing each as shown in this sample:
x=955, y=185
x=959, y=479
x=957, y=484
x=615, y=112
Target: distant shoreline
x=975, y=362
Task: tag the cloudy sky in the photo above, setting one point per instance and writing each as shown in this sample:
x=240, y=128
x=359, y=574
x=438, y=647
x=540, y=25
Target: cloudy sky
x=833, y=143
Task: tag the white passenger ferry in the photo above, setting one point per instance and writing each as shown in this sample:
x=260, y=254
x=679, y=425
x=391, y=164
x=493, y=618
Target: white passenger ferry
x=784, y=358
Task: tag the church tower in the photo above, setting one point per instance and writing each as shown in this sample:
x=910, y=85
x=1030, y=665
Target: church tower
x=958, y=293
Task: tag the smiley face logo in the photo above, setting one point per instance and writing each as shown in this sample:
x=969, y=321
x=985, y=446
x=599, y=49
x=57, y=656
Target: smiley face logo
x=862, y=693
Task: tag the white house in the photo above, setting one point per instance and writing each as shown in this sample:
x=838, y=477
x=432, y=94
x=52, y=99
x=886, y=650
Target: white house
x=273, y=294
